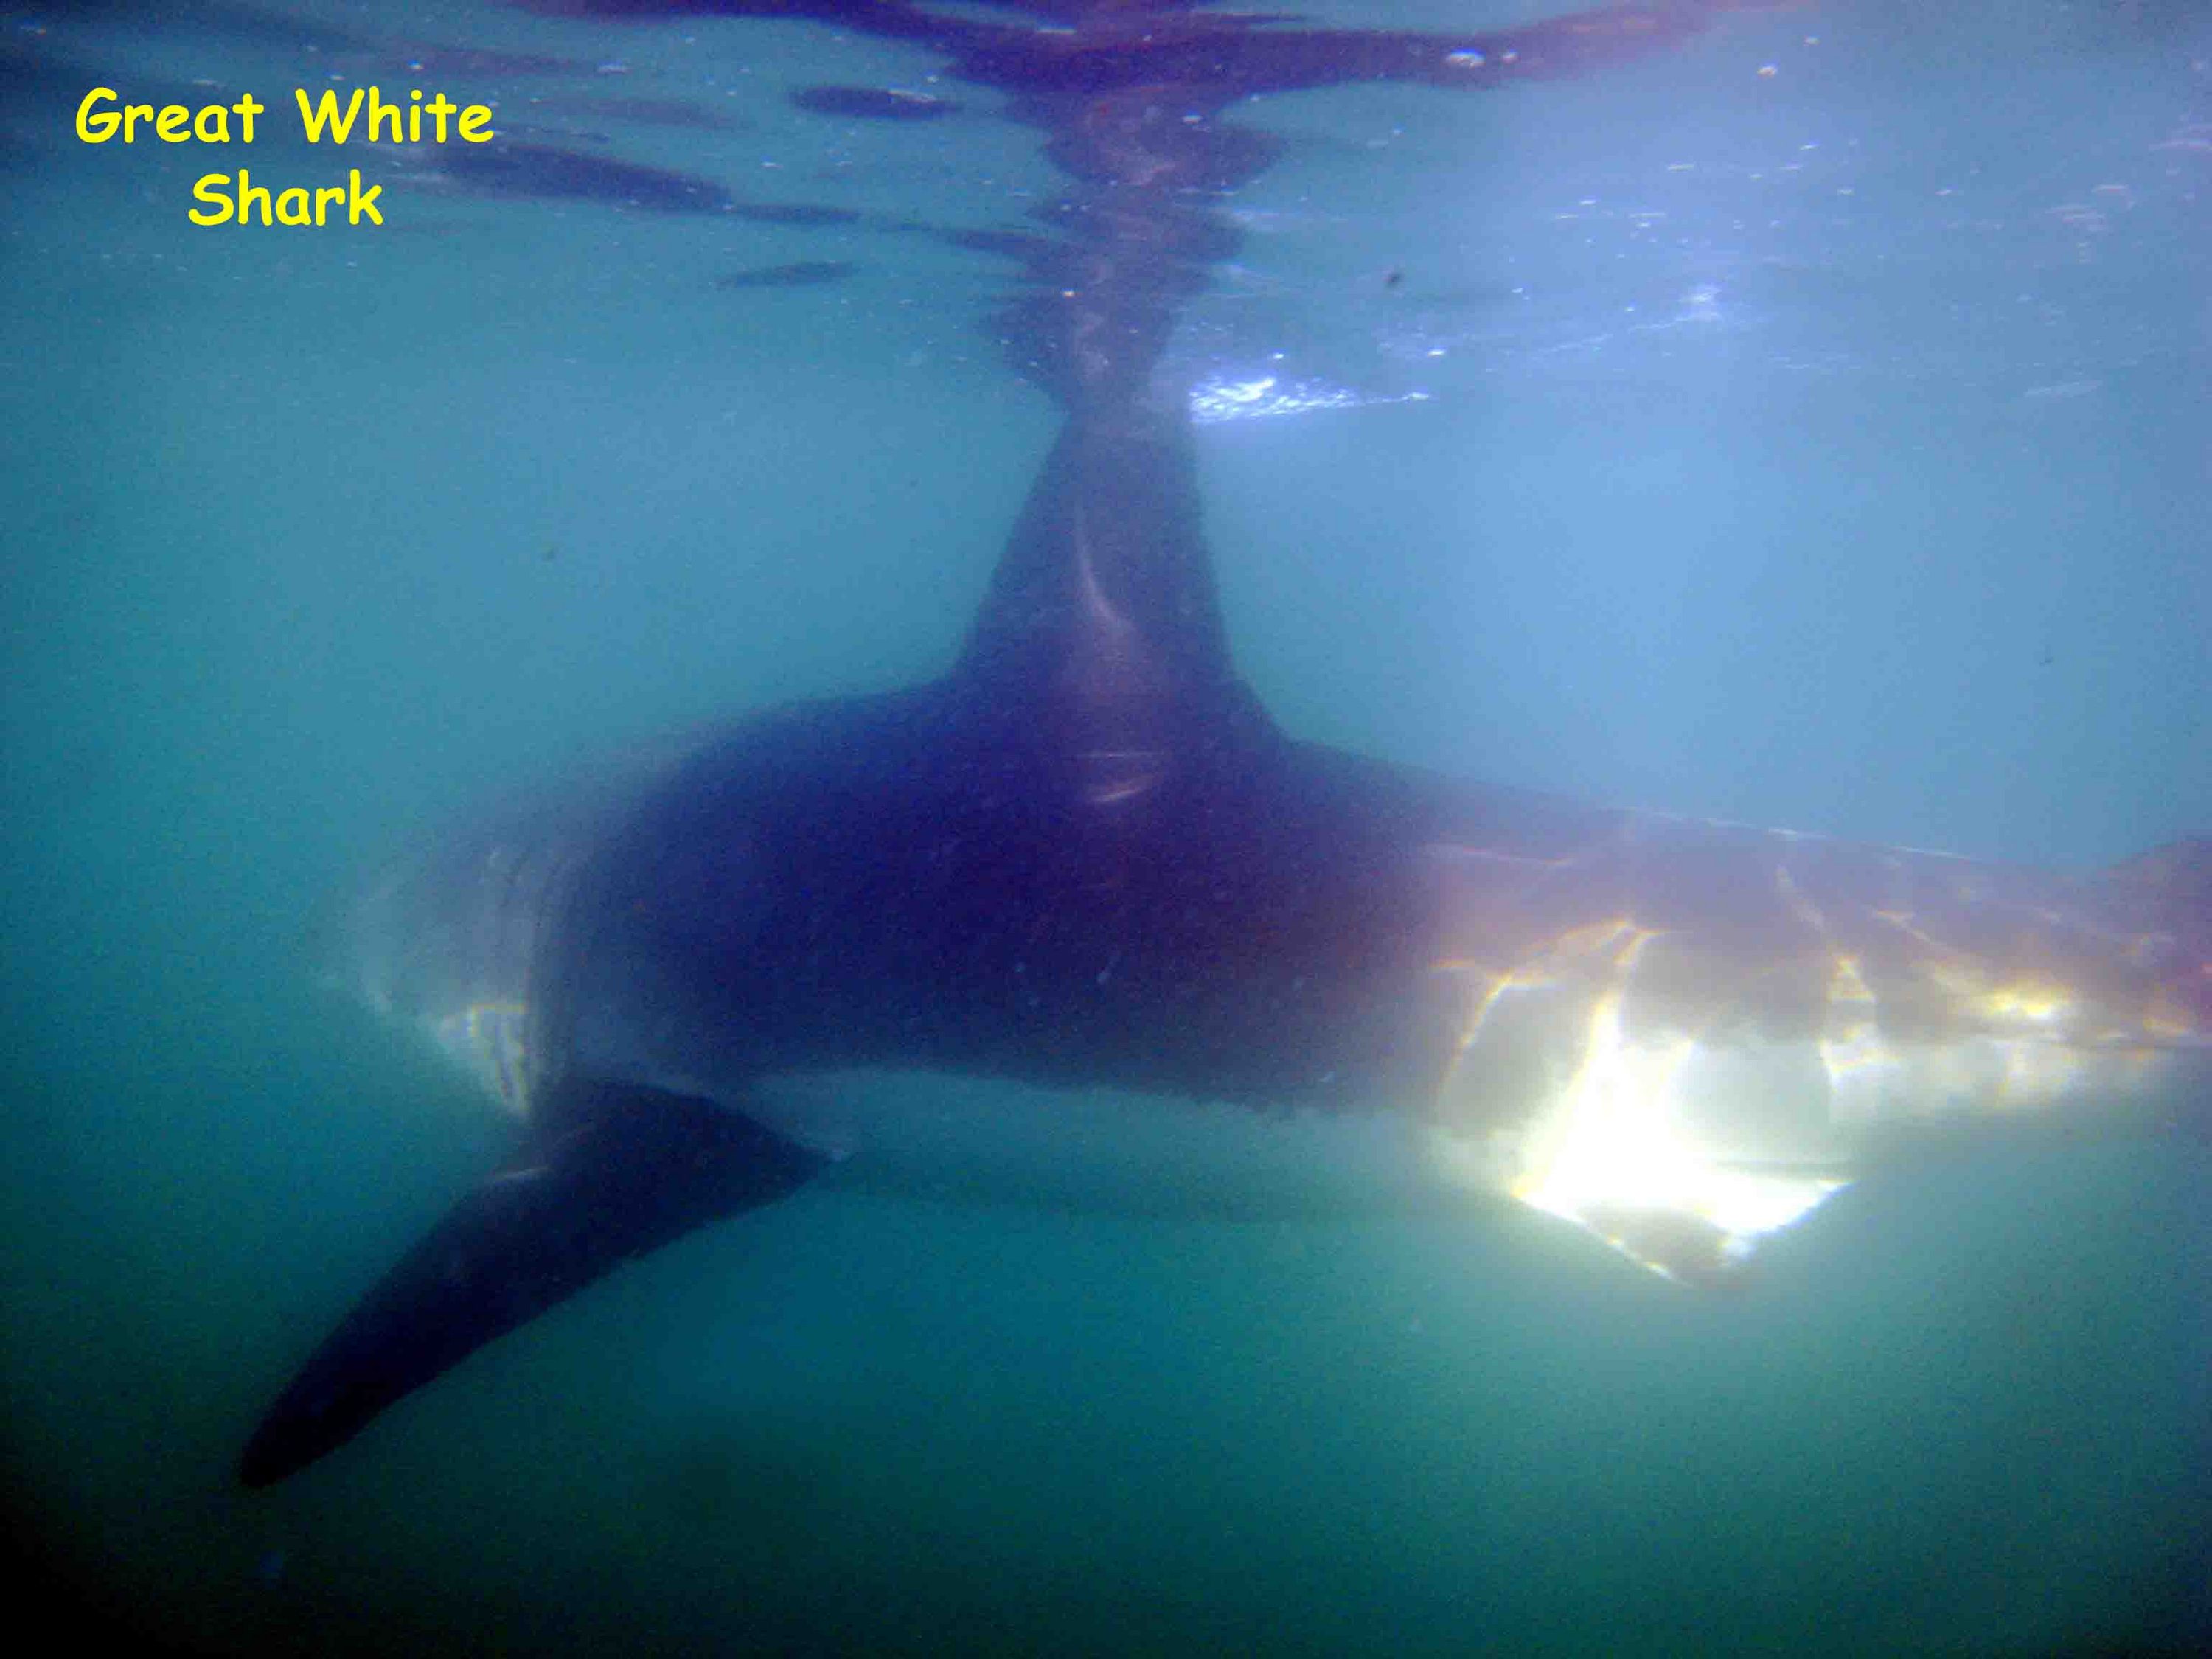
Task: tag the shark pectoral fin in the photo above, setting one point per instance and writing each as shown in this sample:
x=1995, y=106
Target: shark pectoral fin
x=632, y=1170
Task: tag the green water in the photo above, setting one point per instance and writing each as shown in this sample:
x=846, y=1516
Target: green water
x=310, y=541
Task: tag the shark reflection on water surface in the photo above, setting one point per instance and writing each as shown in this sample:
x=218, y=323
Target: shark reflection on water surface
x=1086, y=858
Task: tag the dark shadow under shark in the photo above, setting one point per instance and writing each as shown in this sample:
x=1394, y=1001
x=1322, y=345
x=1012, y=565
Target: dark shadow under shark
x=1087, y=857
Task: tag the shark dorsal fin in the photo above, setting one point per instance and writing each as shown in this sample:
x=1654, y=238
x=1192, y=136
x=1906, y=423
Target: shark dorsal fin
x=1104, y=595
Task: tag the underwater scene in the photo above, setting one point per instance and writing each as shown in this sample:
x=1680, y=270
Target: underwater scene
x=1104, y=827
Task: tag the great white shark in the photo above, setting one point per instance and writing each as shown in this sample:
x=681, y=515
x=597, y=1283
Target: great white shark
x=1086, y=859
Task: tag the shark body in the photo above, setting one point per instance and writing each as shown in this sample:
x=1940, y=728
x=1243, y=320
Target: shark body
x=1086, y=859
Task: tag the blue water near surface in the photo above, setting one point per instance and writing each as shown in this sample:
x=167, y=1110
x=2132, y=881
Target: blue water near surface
x=1824, y=448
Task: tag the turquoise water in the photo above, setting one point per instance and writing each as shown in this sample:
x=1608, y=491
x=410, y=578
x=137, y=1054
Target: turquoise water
x=1859, y=492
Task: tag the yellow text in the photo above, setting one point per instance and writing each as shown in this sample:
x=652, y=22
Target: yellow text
x=172, y=124
x=392, y=124
x=294, y=206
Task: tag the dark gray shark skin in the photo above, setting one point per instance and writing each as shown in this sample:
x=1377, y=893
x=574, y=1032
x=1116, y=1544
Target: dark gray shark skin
x=1087, y=858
